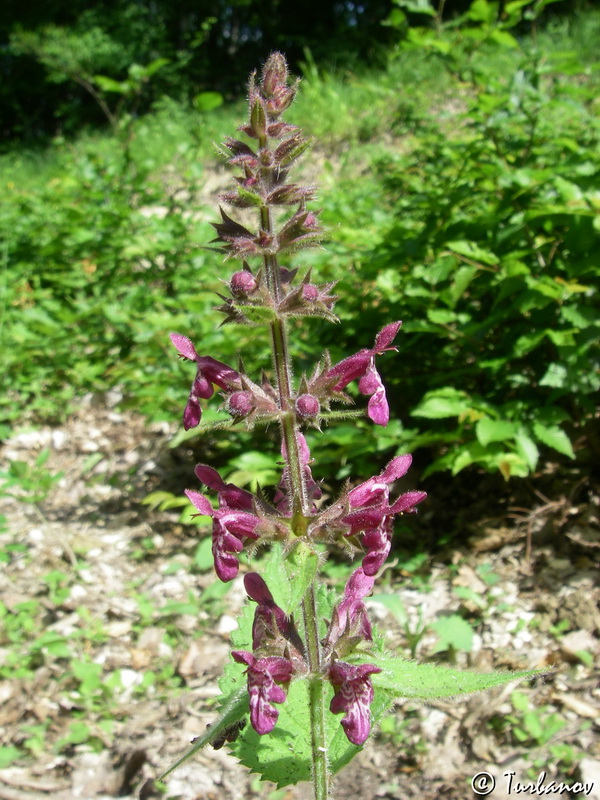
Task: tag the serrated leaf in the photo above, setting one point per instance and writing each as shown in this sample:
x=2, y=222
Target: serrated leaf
x=555, y=437
x=285, y=759
x=232, y=711
x=429, y=681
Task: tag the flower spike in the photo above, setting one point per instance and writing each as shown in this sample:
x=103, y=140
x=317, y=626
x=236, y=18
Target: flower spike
x=267, y=290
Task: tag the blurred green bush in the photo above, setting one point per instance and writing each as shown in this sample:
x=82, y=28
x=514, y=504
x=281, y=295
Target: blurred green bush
x=464, y=203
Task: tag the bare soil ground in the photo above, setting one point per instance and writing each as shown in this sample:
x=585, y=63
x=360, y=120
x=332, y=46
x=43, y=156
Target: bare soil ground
x=130, y=599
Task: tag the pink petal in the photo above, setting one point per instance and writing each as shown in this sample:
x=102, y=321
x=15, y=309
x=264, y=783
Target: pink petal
x=370, y=382
x=229, y=494
x=257, y=589
x=184, y=346
x=378, y=544
x=200, y=502
x=378, y=409
x=192, y=414
x=397, y=468
x=386, y=336
x=406, y=502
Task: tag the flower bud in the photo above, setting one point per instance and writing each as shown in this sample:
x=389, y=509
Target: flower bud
x=310, y=292
x=240, y=404
x=274, y=74
x=307, y=406
x=242, y=283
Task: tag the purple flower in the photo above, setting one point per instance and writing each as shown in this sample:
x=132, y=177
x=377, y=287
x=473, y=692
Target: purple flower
x=263, y=676
x=233, y=521
x=209, y=372
x=377, y=489
x=354, y=695
x=270, y=621
x=228, y=493
x=362, y=365
x=371, y=513
x=378, y=543
x=350, y=615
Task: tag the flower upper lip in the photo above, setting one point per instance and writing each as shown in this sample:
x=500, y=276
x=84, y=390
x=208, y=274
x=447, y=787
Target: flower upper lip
x=209, y=371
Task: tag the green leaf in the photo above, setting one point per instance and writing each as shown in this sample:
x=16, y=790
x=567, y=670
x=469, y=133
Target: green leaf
x=254, y=468
x=556, y=375
x=286, y=758
x=109, y=85
x=527, y=448
x=8, y=755
x=301, y=568
x=473, y=251
x=463, y=277
x=252, y=198
x=257, y=315
x=288, y=585
x=441, y=316
x=232, y=711
x=153, y=67
x=441, y=403
x=555, y=437
x=579, y=315
x=482, y=11
x=453, y=631
x=503, y=38
x=429, y=681
x=203, y=557
x=494, y=430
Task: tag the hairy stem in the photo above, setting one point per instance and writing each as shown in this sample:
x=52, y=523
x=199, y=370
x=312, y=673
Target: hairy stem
x=300, y=516
x=316, y=687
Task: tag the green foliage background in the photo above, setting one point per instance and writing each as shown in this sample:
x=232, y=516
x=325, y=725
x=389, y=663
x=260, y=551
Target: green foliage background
x=459, y=183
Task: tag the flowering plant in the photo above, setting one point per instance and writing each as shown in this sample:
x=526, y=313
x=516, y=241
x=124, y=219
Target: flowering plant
x=304, y=659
